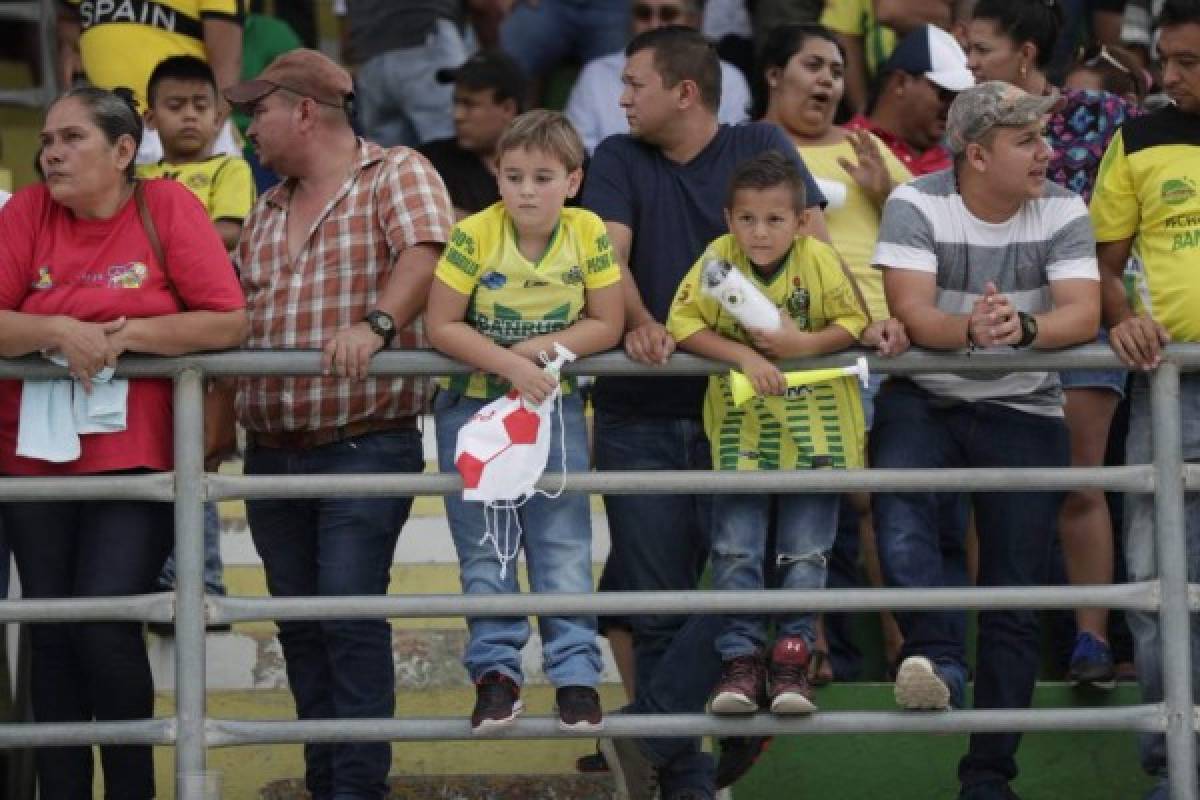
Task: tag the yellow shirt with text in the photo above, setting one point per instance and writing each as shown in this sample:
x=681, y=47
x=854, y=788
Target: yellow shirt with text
x=811, y=427
x=122, y=41
x=513, y=298
x=1148, y=189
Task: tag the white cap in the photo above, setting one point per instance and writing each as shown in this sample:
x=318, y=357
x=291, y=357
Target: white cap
x=930, y=51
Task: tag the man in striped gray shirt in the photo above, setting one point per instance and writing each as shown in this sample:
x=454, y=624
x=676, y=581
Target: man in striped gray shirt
x=988, y=254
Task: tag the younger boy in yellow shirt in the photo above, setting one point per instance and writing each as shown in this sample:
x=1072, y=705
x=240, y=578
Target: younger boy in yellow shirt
x=818, y=426
x=182, y=97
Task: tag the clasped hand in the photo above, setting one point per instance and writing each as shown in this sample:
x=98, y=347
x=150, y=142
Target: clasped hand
x=88, y=347
x=993, y=320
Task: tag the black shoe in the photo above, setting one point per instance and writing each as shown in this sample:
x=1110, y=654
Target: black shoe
x=497, y=703
x=592, y=763
x=738, y=755
x=578, y=709
x=634, y=776
x=993, y=790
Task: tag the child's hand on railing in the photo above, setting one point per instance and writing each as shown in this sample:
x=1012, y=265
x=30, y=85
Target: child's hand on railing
x=764, y=376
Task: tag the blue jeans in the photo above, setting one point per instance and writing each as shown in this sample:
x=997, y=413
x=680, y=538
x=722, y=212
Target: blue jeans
x=331, y=547
x=662, y=542
x=914, y=429
x=400, y=100
x=85, y=671
x=1141, y=553
x=541, y=36
x=557, y=540
x=805, y=527
x=214, y=570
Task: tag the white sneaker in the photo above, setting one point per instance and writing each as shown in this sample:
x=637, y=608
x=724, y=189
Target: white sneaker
x=919, y=687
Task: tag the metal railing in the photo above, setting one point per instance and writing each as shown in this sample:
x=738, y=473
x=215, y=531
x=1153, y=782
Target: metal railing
x=41, y=13
x=192, y=732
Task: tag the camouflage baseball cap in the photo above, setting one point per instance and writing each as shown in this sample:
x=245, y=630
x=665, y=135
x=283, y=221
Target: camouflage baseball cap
x=986, y=105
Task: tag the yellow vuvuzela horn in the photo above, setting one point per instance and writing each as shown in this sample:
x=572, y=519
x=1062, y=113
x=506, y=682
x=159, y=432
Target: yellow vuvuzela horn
x=743, y=390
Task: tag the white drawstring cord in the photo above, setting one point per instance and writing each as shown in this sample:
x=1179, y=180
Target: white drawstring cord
x=510, y=548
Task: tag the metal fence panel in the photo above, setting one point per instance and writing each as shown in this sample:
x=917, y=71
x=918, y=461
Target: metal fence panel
x=188, y=487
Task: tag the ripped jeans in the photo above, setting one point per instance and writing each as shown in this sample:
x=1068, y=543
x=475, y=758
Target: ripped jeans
x=804, y=526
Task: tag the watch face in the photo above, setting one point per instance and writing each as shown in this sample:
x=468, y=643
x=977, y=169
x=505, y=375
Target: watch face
x=382, y=321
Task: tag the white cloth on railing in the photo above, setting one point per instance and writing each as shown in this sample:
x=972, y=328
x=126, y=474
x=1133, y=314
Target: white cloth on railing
x=54, y=413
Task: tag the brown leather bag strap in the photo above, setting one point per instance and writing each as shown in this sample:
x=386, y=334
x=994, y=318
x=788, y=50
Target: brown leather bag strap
x=152, y=234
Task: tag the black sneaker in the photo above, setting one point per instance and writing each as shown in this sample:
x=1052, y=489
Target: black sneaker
x=634, y=777
x=592, y=763
x=738, y=755
x=578, y=709
x=993, y=790
x=497, y=703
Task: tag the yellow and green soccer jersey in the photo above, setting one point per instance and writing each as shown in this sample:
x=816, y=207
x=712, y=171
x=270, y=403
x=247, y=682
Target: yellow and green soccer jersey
x=1148, y=189
x=224, y=184
x=810, y=427
x=513, y=298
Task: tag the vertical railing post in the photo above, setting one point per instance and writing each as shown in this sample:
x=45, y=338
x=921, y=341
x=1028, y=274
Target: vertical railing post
x=189, y=583
x=1171, y=548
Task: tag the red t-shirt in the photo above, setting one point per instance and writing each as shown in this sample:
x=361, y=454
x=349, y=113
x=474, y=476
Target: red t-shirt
x=934, y=159
x=52, y=262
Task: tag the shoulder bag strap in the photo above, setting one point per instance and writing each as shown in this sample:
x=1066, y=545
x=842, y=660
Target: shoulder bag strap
x=139, y=198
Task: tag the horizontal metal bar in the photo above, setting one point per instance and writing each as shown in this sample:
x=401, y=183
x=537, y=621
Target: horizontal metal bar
x=1118, y=479
x=428, y=362
x=30, y=11
x=157, y=487
x=131, y=608
x=28, y=98
x=1143, y=718
x=1191, y=477
x=1141, y=596
x=160, y=607
x=64, y=734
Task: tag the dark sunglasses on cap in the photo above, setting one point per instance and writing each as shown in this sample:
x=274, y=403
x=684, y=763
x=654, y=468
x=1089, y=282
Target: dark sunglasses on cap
x=643, y=12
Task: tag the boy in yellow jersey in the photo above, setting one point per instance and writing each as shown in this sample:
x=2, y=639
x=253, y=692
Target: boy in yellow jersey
x=182, y=96
x=515, y=279
x=821, y=426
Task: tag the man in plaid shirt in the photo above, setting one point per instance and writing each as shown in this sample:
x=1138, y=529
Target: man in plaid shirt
x=339, y=257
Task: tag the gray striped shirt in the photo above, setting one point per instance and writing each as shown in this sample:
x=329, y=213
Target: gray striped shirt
x=927, y=227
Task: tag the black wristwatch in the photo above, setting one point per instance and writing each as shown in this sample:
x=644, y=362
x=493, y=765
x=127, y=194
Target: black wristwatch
x=1029, y=329
x=382, y=325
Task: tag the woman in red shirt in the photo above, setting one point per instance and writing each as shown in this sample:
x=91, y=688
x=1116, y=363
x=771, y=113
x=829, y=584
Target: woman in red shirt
x=79, y=278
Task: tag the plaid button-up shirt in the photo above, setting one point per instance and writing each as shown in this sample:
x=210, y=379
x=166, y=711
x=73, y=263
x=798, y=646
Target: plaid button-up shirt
x=393, y=200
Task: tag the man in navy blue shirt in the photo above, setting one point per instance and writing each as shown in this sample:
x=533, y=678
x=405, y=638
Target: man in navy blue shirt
x=660, y=192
